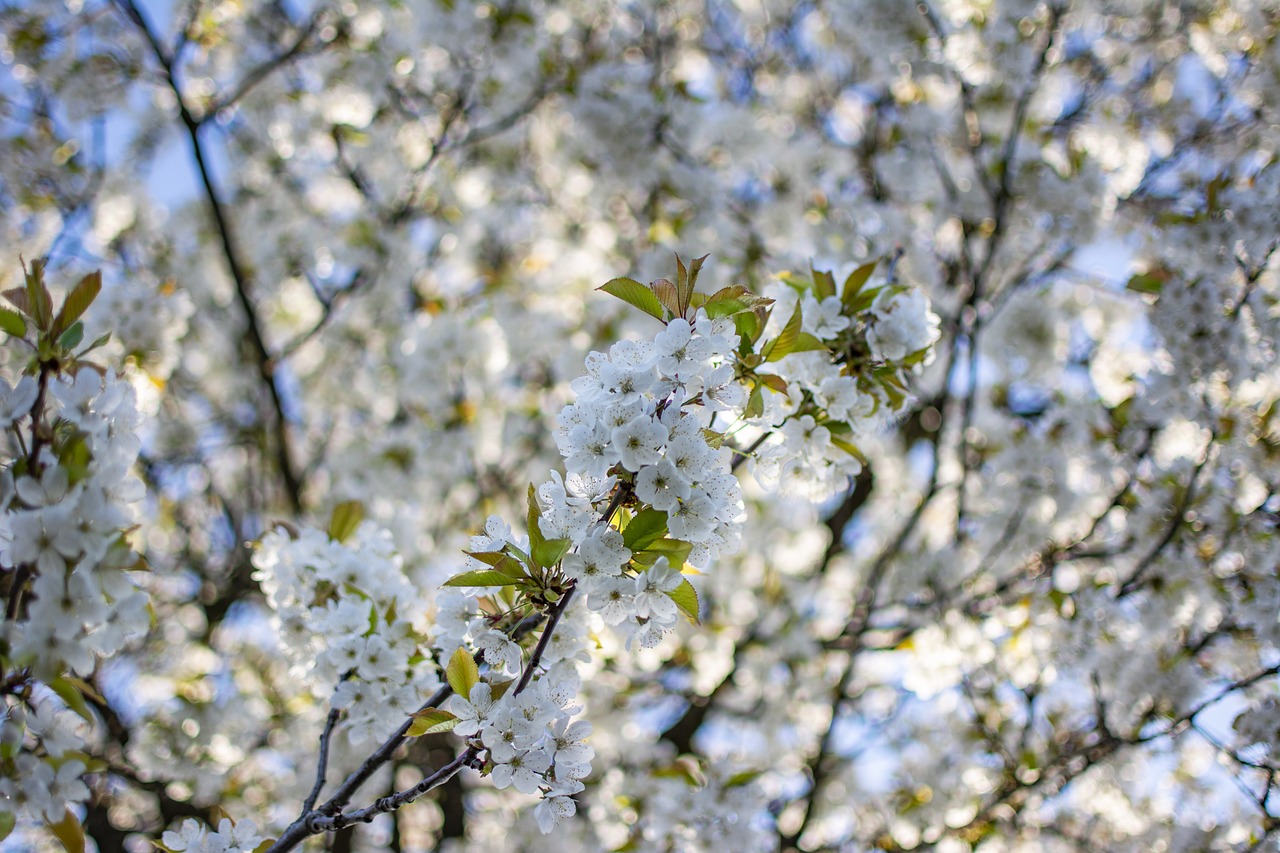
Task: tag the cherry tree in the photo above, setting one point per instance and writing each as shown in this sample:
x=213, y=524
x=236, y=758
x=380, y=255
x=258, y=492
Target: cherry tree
x=388, y=466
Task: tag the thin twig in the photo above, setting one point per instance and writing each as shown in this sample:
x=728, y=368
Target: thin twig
x=322, y=763
x=263, y=71
x=320, y=823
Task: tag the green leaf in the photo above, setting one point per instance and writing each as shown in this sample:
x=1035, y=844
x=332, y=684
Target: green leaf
x=863, y=300
x=72, y=337
x=11, y=323
x=675, y=550
x=747, y=324
x=732, y=300
x=634, y=293
x=501, y=562
x=430, y=722
x=77, y=302
x=1148, y=282
x=855, y=282
x=682, y=280
x=646, y=528
x=785, y=343
x=97, y=342
x=686, y=598
x=850, y=448
x=535, y=529
x=7, y=822
x=685, y=768
x=550, y=552
x=91, y=764
x=755, y=403
x=667, y=295
x=726, y=308
x=489, y=558
x=837, y=427
x=746, y=777
x=482, y=577
x=87, y=689
x=824, y=283
x=773, y=382
x=690, y=282
x=498, y=689
x=68, y=692
x=345, y=519
x=18, y=296
x=75, y=457
x=917, y=357
x=517, y=553
x=808, y=343
x=39, y=300
x=462, y=673
x=69, y=832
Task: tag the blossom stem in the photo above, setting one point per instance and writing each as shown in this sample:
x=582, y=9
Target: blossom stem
x=553, y=618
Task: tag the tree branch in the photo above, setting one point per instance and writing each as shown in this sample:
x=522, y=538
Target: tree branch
x=265, y=362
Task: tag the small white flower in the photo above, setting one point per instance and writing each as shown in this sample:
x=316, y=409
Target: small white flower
x=524, y=770
x=903, y=324
x=652, y=586
x=662, y=486
x=500, y=651
x=16, y=401
x=639, y=442
x=554, y=808
x=823, y=319
x=614, y=599
x=472, y=712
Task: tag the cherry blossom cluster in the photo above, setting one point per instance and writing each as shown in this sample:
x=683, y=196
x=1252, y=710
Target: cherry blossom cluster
x=700, y=809
x=850, y=382
x=195, y=837
x=66, y=516
x=45, y=777
x=530, y=739
x=649, y=486
x=344, y=615
x=1070, y=547
x=66, y=507
x=643, y=411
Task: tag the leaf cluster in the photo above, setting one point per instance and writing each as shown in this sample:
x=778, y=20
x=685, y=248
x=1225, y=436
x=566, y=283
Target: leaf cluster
x=52, y=336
